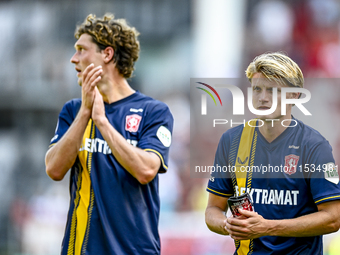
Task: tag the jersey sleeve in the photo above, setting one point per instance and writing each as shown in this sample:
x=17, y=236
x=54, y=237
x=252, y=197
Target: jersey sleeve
x=65, y=119
x=156, y=134
x=323, y=174
x=220, y=182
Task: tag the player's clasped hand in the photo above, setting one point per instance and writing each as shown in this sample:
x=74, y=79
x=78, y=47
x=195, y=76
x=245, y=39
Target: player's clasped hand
x=250, y=225
x=98, y=109
x=91, y=76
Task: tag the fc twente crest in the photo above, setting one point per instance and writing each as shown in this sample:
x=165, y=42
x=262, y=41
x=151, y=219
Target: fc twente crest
x=132, y=122
x=291, y=162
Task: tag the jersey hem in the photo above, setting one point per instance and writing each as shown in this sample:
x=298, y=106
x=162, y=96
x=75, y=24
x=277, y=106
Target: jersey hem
x=160, y=156
x=326, y=199
x=218, y=193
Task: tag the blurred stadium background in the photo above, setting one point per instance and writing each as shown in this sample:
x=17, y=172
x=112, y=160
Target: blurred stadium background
x=179, y=39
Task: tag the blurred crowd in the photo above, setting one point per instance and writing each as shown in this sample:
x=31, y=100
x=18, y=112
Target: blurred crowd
x=37, y=78
x=307, y=30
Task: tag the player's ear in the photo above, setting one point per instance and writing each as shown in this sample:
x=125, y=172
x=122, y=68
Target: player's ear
x=108, y=54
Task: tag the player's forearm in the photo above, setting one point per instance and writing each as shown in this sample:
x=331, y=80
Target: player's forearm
x=60, y=158
x=140, y=164
x=318, y=223
x=215, y=219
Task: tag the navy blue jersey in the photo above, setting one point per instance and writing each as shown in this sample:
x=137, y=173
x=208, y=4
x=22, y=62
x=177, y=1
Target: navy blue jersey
x=110, y=211
x=286, y=178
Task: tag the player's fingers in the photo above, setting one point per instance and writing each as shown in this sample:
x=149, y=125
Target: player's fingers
x=87, y=70
x=96, y=77
x=237, y=226
x=236, y=221
x=238, y=237
x=98, y=96
x=237, y=231
x=91, y=73
x=247, y=213
x=98, y=93
x=241, y=217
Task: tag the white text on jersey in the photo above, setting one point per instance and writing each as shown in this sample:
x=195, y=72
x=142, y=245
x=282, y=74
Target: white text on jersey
x=271, y=196
x=99, y=145
x=96, y=145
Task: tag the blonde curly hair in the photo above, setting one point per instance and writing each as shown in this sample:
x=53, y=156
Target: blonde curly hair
x=276, y=66
x=107, y=31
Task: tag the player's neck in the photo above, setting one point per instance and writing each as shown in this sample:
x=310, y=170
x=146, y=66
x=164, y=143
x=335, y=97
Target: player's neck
x=115, y=88
x=272, y=129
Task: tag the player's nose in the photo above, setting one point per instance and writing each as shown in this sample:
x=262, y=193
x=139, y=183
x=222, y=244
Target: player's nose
x=264, y=96
x=74, y=59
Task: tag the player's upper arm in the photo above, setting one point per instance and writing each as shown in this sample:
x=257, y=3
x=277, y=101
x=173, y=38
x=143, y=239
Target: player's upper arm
x=217, y=201
x=156, y=133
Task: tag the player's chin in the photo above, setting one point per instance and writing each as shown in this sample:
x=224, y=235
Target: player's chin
x=262, y=117
x=268, y=118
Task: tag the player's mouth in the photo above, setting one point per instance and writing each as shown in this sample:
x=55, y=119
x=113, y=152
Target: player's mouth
x=263, y=108
x=78, y=71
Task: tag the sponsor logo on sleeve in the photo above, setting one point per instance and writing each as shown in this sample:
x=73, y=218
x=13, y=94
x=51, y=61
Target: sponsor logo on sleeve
x=164, y=136
x=132, y=122
x=331, y=173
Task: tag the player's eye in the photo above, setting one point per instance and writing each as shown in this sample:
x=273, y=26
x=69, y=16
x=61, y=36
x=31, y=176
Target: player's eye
x=79, y=49
x=256, y=88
